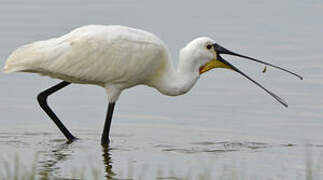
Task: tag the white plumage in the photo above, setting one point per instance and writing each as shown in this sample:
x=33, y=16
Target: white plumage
x=116, y=58
x=103, y=55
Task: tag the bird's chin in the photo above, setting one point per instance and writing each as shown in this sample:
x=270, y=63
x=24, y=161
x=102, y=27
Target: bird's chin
x=201, y=69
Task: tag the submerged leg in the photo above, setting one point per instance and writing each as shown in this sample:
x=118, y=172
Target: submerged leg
x=42, y=99
x=106, y=131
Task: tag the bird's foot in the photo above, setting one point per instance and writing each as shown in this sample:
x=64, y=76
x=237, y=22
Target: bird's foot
x=72, y=139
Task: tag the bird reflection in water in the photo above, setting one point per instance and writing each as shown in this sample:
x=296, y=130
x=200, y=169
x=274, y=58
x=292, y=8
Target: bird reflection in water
x=48, y=165
x=59, y=153
x=109, y=174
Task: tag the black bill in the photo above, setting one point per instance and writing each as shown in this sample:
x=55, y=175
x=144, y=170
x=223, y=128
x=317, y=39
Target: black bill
x=221, y=50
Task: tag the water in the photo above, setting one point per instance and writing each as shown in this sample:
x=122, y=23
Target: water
x=225, y=123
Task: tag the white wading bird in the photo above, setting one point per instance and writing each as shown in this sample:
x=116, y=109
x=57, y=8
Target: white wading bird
x=117, y=58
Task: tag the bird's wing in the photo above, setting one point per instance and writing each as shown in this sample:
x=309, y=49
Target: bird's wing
x=92, y=54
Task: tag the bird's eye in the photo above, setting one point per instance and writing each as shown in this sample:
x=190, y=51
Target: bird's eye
x=208, y=46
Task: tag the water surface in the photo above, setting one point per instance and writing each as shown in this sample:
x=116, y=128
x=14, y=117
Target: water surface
x=225, y=123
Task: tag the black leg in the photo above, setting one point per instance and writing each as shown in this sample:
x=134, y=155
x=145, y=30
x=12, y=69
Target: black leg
x=42, y=99
x=106, y=131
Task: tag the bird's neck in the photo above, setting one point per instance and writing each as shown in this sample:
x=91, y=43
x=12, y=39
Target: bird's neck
x=177, y=81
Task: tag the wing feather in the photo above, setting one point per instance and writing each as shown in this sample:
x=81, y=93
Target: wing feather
x=93, y=54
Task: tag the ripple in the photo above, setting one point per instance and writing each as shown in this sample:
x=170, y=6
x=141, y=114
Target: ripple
x=163, y=146
x=193, y=150
x=186, y=151
x=214, y=147
x=234, y=144
x=314, y=145
x=36, y=134
x=204, y=143
x=58, y=140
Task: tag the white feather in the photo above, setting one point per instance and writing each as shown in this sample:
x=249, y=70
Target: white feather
x=114, y=57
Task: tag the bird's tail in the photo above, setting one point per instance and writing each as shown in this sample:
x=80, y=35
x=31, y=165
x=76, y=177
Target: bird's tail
x=12, y=66
x=21, y=59
x=9, y=69
x=6, y=69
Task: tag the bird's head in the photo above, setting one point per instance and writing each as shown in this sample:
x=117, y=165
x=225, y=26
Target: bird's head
x=206, y=55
